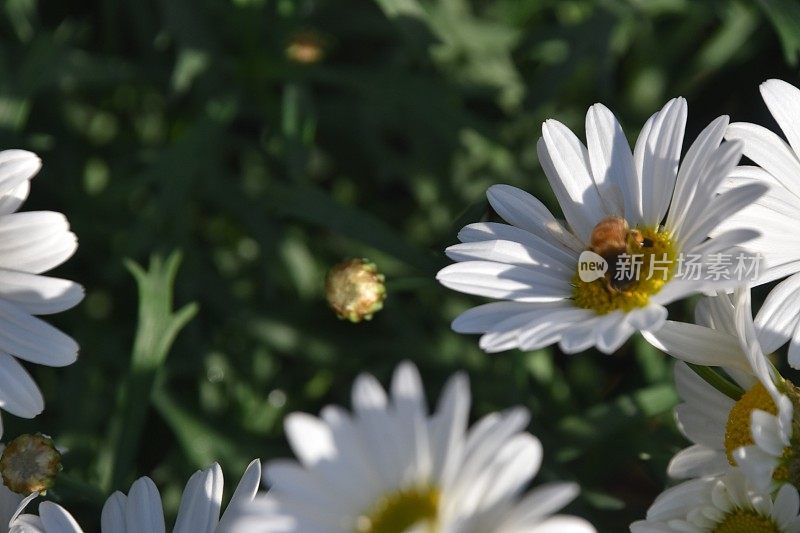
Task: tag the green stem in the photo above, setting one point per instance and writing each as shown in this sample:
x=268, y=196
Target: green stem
x=716, y=380
x=158, y=327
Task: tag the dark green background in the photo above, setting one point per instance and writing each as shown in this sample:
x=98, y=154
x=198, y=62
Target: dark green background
x=181, y=124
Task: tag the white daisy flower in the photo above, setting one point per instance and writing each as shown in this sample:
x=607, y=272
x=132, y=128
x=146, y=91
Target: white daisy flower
x=30, y=243
x=725, y=504
x=141, y=510
x=615, y=203
x=740, y=431
x=774, y=454
x=775, y=214
x=392, y=467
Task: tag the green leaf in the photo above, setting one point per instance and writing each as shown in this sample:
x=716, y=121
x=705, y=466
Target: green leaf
x=158, y=327
x=602, y=422
x=314, y=206
x=202, y=443
x=785, y=17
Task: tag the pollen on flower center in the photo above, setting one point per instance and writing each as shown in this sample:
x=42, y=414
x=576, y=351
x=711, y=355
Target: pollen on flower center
x=737, y=429
x=402, y=510
x=641, y=262
x=746, y=521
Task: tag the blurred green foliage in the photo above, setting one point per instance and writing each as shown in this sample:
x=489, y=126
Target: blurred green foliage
x=183, y=124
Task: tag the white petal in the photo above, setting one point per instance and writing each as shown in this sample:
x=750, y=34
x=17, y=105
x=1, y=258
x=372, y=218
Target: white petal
x=201, y=502
x=720, y=208
x=509, y=468
x=700, y=427
x=144, y=511
x=693, y=166
x=35, y=241
x=748, y=340
x=582, y=336
x=526, y=212
x=697, y=461
x=787, y=504
x=657, y=156
x=484, y=317
x=700, y=395
x=13, y=199
x=766, y=432
x=698, y=345
x=19, y=394
x=757, y=465
x=783, y=101
x=565, y=162
x=611, y=159
x=770, y=152
x=614, y=334
x=32, y=339
x=448, y=427
x=112, y=519
x=496, y=280
x=17, y=167
x=717, y=313
x=539, y=503
x=533, y=329
x=780, y=314
x=57, y=520
x=39, y=295
x=245, y=492
x=548, y=327
x=309, y=437
x=794, y=348
x=560, y=524
x=543, y=254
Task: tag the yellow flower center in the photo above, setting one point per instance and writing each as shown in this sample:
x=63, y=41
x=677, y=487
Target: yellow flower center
x=737, y=429
x=646, y=263
x=402, y=510
x=746, y=521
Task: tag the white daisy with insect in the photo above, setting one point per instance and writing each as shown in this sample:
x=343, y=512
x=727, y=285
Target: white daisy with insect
x=636, y=236
x=775, y=214
x=141, y=509
x=31, y=243
x=390, y=467
x=724, y=504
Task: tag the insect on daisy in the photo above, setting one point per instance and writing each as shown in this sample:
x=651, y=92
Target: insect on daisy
x=620, y=222
x=725, y=504
x=391, y=468
x=141, y=510
x=775, y=214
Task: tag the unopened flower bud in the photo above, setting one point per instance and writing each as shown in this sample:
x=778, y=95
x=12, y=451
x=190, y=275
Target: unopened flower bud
x=355, y=289
x=30, y=464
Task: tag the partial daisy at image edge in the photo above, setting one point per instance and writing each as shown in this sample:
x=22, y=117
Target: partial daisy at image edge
x=390, y=466
x=31, y=243
x=724, y=503
x=775, y=214
x=141, y=509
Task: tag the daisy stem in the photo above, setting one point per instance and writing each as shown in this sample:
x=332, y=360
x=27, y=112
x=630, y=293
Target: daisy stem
x=718, y=381
x=158, y=327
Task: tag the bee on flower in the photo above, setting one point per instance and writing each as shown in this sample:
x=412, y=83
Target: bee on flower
x=644, y=210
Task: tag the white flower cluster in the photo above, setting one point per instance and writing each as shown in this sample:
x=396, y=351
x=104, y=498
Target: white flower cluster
x=392, y=466
x=743, y=470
